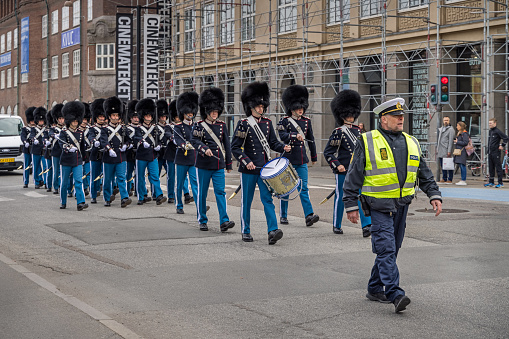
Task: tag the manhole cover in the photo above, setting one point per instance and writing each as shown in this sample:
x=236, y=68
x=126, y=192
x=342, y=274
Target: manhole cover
x=445, y=210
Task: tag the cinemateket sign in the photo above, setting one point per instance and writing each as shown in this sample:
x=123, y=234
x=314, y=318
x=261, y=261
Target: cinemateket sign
x=124, y=55
x=151, y=60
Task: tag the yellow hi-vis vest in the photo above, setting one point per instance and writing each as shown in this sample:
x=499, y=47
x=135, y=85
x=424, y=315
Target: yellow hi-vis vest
x=381, y=178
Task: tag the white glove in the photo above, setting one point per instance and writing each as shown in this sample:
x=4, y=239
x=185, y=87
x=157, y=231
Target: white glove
x=189, y=146
x=123, y=148
x=27, y=144
x=130, y=146
x=157, y=148
x=48, y=142
x=36, y=142
x=112, y=153
x=97, y=144
x=73, y=149
x=146, y=144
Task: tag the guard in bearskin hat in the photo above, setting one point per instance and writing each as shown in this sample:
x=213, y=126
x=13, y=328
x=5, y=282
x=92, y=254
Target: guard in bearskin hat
x=252, y=149
x=48, y=172
x=96, y=153
x=346, y=108
x=85, y=127
x=295, y=129
x=212, y=143
x=115, y=141
x=162, y=116
x=25, y=139
x=185, y=156
x=148, y=142
x=72, y=143
x=133, y=123
x=38, y=144
x=56, y=151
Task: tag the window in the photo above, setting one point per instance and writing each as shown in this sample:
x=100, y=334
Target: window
x=65, y=65
x=89, y=10
x=44, y=26
x=44, y=69
x=208, y=26
x=65, y=18
x=227, y=23
x=177, y=33
x=2, y=80
x=54, y=22
x=2, y=43
x=248, y=14
x=54, y=67
x=9, y=77
x=24, y=78
x=412, y=3
x=371, y=7
x=15, y=80
x=334, y=11
x=76, y=56
x=189, y=27
x=9, y=41
x=287, y=15
x=105, y=56
x=76, y=13
x=15, y=36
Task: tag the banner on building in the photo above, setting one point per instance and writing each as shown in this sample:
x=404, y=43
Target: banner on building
x=25, y=45
x=70, y=38
x=5, y=59
x=124, y=50
x=151, y=53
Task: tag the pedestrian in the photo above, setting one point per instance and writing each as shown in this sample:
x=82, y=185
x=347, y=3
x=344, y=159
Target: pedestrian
x=25, y=139
x=460, y=153
x=362, y=128
x=496, y=143
x=387, y=163
x=445, y=146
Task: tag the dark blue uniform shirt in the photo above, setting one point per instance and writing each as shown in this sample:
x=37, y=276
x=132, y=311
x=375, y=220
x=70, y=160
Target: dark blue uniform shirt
x=94, y=134
x=54, y=132
x=202, y=141
x=25, y=137
x=142, y=153
x=339, y=148
x=36, y=132
x=71, y=158
x=288, y=134
x=119, y=139
x=182, y=133
x=171, y=148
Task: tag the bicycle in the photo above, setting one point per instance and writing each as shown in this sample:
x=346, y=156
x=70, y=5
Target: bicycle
x=505, y=165
x=475, y=164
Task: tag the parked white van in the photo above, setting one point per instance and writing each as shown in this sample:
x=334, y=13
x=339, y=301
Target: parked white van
x=11, y=151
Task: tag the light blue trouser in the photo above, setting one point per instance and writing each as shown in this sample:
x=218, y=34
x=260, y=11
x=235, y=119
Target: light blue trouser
x=248, y=184
x=160, y=164
x=48, y=176
x=339, y=206
x=170, y=180
x=111, y=171
x=77, y=174
x=26, y=172
x=86, y=180
x=56, y=172
x=153, y=177
x=302, y=171
x=218, y=182
x=130, y=174
x=96, y=168
x=37, y=168
x=182, y=172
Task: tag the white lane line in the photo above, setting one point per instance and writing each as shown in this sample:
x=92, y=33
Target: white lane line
x=5, y=199
x=35, y=195
x=113, y=325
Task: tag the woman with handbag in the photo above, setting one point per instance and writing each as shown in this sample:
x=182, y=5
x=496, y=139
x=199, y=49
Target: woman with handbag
x=460, y=154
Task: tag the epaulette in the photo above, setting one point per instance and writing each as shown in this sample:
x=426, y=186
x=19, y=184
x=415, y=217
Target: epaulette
x=240, y=134
x=197, y=133
x=220, y=121
x=280, y=127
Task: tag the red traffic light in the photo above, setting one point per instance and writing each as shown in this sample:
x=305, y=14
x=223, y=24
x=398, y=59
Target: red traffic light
x=433, y=89
x=444, y=80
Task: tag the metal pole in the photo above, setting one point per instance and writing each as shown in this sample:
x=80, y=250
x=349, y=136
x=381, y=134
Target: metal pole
x=81, y=51
x=138, y=52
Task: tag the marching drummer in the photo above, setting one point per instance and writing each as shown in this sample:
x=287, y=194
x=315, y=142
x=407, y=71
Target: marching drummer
x=252, y=142
x=296, y=130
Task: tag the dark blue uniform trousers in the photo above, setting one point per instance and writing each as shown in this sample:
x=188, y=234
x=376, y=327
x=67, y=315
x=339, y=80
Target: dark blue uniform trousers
x=153, y=178
x=86, y=179
x=387, y=232
x=56, y=172
x=218, y=182
x=48, y=176
x=77, y=174
x=182, y=172
x=96, y=168
x=26, y=172
x=111, y=171
x=248, y=184
x=130, y=175
x=39, y=165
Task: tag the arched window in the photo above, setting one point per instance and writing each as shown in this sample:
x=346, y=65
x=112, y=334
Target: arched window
x=9, y=110
x=53, y=104
x=2, y=111
x=15, y=112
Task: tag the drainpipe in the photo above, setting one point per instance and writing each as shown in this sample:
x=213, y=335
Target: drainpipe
x=48, y=31
x=81, y=49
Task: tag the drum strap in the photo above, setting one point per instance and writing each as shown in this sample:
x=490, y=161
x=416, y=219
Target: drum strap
x=254, y=125
x=299, y=130
x=75, y=142
x=214, y=137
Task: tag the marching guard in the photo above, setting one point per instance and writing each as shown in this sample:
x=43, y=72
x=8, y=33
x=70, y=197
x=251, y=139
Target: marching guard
x=37, y=139
x=162, y=116
x=253, y=139
x=25, y=139
x=134, y=122
x=346, y=108
x=56, y=151
x=85, y=127
x=96, y=155
x=295, y=129
x=48, y=172
x=212, y=143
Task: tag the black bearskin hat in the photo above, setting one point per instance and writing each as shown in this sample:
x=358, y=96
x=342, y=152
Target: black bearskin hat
x=56, y=112
x=49, y=118
x=73, y=110
x=96, y=107
x=114, y=105
x=162, y=108
x=40, y=114
x=295, y=97
x=187, y=103
x=346, y=104
x=131, y=109
x=146, y=107
x=88, y=114
x=29, y=114
x=256, y=93
x=173, y=110
x=211, y=99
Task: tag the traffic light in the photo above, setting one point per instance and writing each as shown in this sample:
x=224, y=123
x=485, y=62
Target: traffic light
x=433, y=94
x=444, y=89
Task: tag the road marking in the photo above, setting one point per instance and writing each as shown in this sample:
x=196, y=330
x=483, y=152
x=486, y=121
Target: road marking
x=35, y=195
x=5, y=199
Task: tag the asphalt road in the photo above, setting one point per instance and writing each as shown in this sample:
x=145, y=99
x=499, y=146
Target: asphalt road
x=145, y=271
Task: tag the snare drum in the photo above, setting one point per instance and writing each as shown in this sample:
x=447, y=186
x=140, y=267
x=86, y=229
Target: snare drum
x=280, y=177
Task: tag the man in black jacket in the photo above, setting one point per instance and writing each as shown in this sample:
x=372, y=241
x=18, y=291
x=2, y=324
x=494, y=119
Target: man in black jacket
x=496, y=143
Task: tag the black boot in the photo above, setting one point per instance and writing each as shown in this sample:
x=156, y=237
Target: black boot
x=87, y=192
x=247, y=237
x=188, y=198
x=225, y=226
x=203, y=227
x=56, y=191
x=93, y=201
x=107, y=204
x=82, y=206
x=283, y=221
x=274, y=236
x=160, y=199
x=125, y=202
x=62, y=207
x=337, y=230
x=311, y=219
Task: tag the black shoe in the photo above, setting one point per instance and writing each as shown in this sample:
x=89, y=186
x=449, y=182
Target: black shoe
x=337, y=230
x=311, y=219
x=226, y=225
x=69, y=195
x=207, y=208
x=283, y=221
x=116, y=191
x=25, y=186
x=63, y=206
x=203, y=227
x=99, y=193
x=188, y=198
x=180, y=211
x=107, y=204
x=131, y=193
x=93, y=201
x=401, y=303
x=380, y=297
x=171, y=200
x=45, y=187
x=112, y=198
x=37, y=187
x=366, y=231
x=140, y=202
x=82, y=206
x=274, y=236
x=147, y=199
x=125, y=202
x=87, y=192
x=49, y=190
x=247, y=237
x=160, y=199
x=56, y=191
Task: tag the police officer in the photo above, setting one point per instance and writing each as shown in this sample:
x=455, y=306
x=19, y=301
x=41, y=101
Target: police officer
x=72, y=142
x=295, y=129
x=56, y=151
x=386, y=164
x=115, y=140
x=134, y=121
x=85, y=128
x=212, y=143
x=25, y=139
x=37, y=140
x=346, y=108
x=252, y=149
x=96, y=155
x=48, y=173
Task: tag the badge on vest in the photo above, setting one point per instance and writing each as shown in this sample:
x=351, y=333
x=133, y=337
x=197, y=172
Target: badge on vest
x=383, y=154
x=414, y=157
